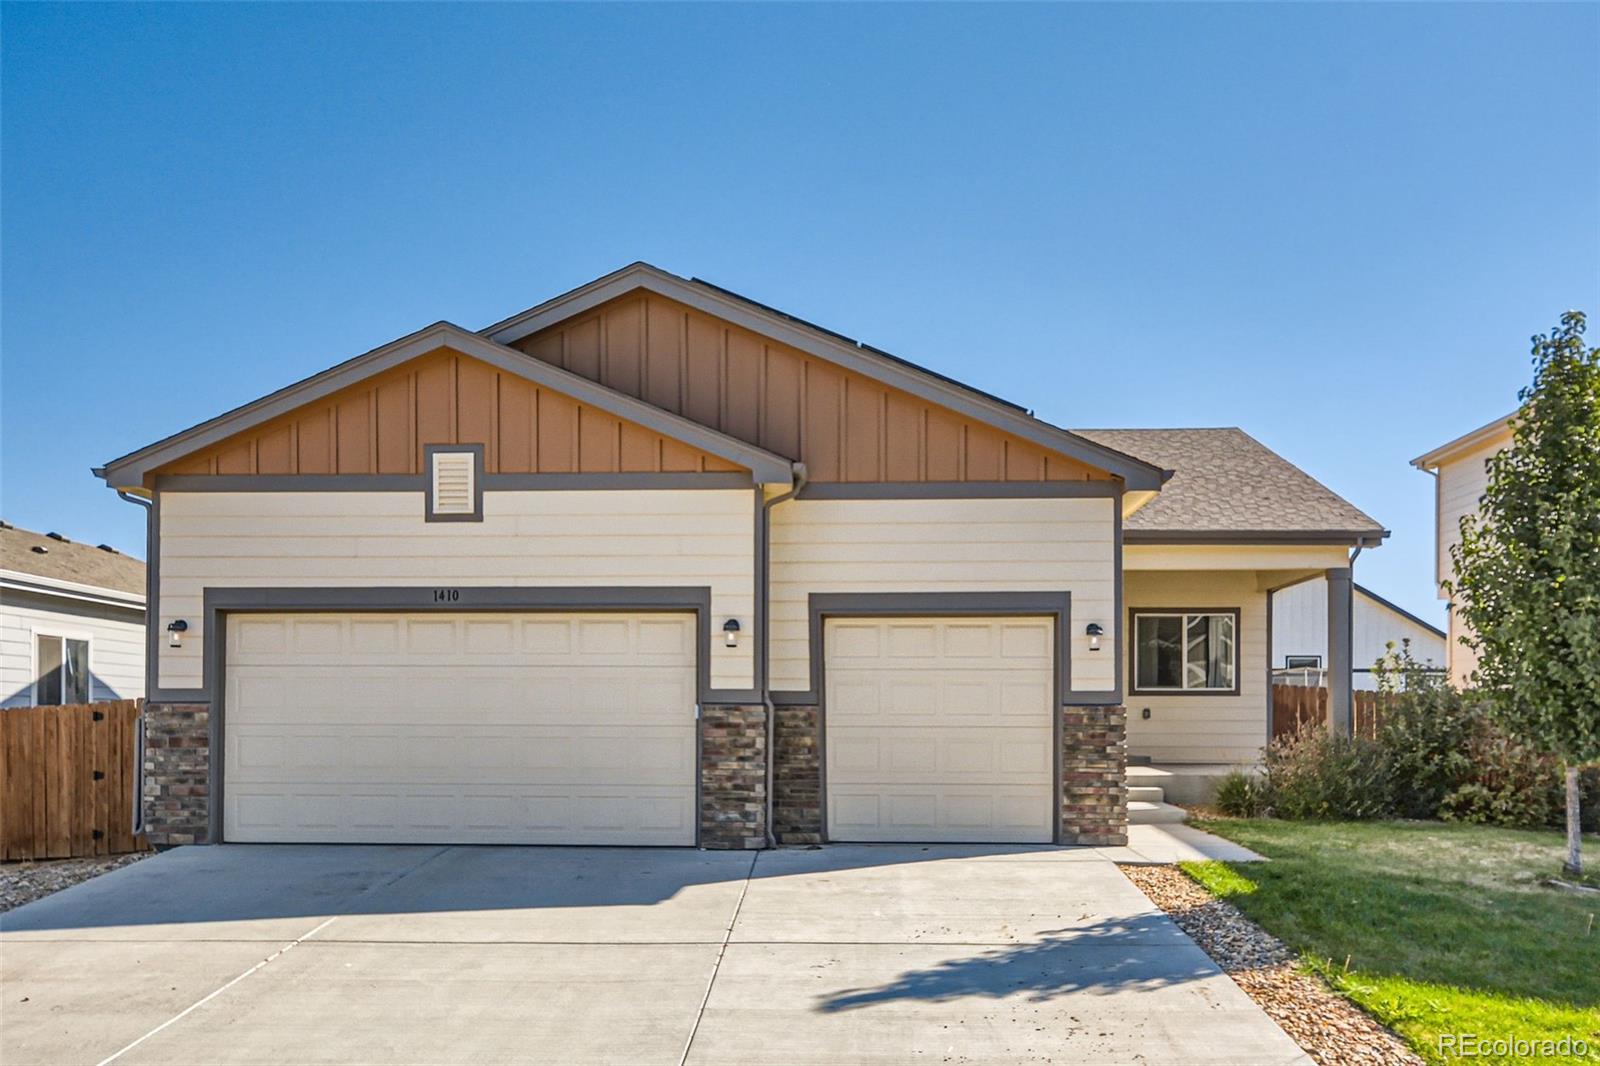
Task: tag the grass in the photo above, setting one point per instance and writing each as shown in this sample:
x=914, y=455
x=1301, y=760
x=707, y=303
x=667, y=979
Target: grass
x=1446, y=928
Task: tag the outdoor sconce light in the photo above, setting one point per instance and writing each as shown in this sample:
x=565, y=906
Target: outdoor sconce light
x=1095, y=633
x=730, y=632
x=175, y=631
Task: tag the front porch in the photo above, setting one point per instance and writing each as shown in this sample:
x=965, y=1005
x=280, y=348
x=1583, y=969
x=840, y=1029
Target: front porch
x=1198, y=669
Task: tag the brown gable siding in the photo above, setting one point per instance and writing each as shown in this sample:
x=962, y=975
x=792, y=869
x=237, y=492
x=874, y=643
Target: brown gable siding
x=842, y=425
x=381, y=425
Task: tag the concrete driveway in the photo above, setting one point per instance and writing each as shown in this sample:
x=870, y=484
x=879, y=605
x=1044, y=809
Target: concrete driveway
x=881, y=954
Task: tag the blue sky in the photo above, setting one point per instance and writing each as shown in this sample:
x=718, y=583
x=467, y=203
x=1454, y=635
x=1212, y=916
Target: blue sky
x=1333, y=225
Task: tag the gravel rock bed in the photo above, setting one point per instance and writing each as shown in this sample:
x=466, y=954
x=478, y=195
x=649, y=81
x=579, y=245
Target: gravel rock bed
x=26, y=881
x=1331, y=1029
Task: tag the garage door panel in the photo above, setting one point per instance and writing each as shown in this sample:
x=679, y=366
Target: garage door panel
x=940, y=729
x=452, y=814
x=974, y=815
x=390, y=728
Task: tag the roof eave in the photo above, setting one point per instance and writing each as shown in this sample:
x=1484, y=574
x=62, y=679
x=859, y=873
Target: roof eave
x=1465, y=443
x=767, y=468
x=1354, y=538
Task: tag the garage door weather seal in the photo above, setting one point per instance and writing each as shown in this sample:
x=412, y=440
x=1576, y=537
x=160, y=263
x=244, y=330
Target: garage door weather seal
x=202, y=1002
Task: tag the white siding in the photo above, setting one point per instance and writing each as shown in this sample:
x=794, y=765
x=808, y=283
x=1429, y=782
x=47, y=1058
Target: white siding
x=972, y=545
x=1201, y=728
x=1300, y=627
x=660, y=537
x=115, y=635
x=1462, y=481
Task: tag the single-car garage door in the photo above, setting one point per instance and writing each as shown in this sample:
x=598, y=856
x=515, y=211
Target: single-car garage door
x=470, y=728
x=939, y=729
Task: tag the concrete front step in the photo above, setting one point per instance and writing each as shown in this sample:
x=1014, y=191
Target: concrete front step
x=1143, y=813
x=1146, y=794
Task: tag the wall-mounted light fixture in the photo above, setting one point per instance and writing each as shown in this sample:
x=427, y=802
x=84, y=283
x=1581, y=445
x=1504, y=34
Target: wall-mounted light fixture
x=175, y=631
x=1094, y=633
x=730, y=633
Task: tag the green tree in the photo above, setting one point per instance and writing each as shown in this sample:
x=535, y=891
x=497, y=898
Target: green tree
x=1528, y=565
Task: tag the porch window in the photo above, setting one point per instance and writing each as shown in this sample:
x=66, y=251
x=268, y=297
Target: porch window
x=1186, y=651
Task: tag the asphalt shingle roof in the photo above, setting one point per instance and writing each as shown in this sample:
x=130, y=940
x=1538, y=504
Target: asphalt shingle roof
x=65, y=560
x=1226, y=481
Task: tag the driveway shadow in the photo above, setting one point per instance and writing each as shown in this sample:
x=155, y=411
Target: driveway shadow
x=1137, y=953
x=246, y=882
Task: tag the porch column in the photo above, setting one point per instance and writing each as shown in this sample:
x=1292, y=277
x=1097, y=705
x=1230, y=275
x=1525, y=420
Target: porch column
x=1339, y=654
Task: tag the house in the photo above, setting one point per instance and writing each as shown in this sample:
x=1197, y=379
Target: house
x=1300, y=634
x=71, y=621
x=1460, y=472
x=604, y=571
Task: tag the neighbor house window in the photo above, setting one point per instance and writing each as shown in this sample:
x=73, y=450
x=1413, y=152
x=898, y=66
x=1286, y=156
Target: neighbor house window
x=62, y=676
x=1302, y=662
x=1186, y=651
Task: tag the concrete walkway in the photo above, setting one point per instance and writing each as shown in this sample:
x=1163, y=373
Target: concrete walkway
x=1161, y=845
x=880, y=954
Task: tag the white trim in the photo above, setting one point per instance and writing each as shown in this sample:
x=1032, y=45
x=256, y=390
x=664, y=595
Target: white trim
x=72, y=590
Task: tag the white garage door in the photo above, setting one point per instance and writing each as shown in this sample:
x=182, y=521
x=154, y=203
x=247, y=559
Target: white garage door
x=940, y=729
x=473, y=728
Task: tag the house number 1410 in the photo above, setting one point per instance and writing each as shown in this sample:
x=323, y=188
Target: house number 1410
x=446, y=595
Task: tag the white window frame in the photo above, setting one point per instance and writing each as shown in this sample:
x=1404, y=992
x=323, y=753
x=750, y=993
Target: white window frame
x=1184, y=615
x=1314, y=664
x=63, y=635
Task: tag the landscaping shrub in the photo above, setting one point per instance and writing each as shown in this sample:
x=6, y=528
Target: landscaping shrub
x=1240, y=795
x=1426, y=731
x=1435, y=753
x=1505, y=784
x=1316, y=774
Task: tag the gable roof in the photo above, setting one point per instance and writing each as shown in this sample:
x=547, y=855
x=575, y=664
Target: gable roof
x=1137, y=474
x=1226, y=485
x=1401, y=611
x=128, y=471
x=54, y=559
x=1467, y=442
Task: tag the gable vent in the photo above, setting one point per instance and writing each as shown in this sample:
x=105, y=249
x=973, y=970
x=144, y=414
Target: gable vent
x=455, y=489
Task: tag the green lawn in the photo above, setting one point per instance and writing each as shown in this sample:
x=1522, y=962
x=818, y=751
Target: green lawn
x=1447, y=928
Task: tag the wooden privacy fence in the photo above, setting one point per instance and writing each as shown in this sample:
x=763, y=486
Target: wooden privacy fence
x=67, y=780
x=1294, y=706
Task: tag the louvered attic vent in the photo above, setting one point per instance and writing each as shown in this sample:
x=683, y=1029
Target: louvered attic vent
x=454, y=486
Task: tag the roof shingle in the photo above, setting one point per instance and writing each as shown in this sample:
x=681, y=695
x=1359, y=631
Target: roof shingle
x=1226, y=481
x=65, y=560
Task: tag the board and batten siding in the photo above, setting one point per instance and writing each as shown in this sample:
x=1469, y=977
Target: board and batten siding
x=944, y=545
x=115, y=636
x=1194, y=728
x=842, y=425
x=557, y=538
x=1300, y=627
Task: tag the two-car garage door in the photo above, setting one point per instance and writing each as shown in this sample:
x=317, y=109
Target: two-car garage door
x=470, y=728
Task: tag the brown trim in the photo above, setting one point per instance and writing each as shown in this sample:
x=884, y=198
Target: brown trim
x=1244, y=537
x=1133, y=651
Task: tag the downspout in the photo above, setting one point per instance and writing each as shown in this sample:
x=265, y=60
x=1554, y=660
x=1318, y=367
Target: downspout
x=149, y=666
x=764, y=640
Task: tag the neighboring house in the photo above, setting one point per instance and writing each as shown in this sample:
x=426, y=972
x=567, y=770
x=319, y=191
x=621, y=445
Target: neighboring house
x=1300, y=633
x=542, y=583
x=1461, y=475
x=71, y=621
